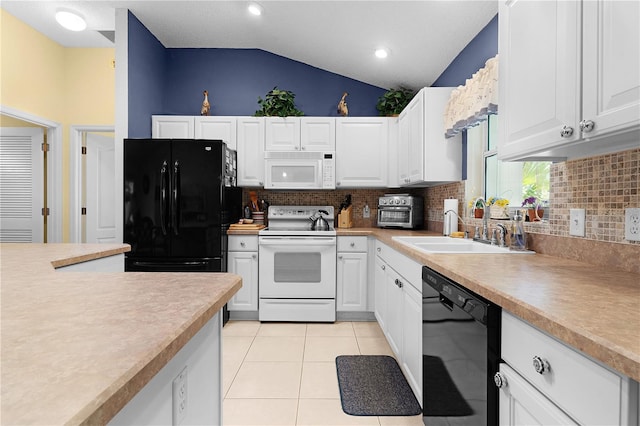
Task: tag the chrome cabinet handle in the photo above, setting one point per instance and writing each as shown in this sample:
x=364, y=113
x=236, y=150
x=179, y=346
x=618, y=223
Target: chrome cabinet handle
x=352, y=244
x=566, y=131
x=379, y=249
x=540, y=365
x=398, y=283
x=383, y=267
x=500, y=380
x=340, y=257
x=254, y=256
x=337, y=183
x=587, y=125
x=260, y=183
x=304, y=147
x=242, y=244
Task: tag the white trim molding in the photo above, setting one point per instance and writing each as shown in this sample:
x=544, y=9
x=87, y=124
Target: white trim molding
x=54, y=168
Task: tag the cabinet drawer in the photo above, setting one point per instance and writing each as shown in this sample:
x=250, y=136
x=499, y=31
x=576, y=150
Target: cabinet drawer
x=243, y=243
x=352, y=244
x=405, y=266
x=584, y=389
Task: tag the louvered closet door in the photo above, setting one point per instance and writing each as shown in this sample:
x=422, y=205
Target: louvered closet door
x=21, y=184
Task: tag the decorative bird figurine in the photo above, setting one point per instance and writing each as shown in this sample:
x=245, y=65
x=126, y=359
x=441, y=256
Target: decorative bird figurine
x=342, y=106
x=205, y=104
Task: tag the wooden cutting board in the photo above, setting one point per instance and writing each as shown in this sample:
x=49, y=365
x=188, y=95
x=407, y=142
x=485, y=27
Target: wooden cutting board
x=246, y=226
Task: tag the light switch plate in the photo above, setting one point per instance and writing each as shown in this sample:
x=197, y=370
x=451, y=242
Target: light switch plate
x=576, y=222
x=632, y=224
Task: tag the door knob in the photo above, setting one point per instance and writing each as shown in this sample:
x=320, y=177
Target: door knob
x=587, y=125
x=541, y=365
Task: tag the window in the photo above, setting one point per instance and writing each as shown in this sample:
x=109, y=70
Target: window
x=489, y=177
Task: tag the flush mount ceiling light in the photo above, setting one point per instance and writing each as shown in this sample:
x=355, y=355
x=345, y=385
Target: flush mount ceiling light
x=71, y=20
x=255, y=9
x=382, y=53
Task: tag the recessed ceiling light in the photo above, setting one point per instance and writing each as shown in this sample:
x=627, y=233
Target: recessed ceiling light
x=71, y=20
x=382, y=53
x=255, y=9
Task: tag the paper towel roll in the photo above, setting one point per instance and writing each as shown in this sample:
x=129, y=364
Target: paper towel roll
x=450, y=219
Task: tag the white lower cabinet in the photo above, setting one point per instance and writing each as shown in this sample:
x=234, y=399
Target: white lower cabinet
x=352, y=274
x=242, y=259
x=547, y=382
x=398, y=309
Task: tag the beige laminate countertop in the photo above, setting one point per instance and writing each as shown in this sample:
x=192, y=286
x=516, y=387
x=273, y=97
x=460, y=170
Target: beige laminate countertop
x=77, y=346
x=591, y=308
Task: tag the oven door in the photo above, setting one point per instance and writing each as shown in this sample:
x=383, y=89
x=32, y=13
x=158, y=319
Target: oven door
x=297, y=267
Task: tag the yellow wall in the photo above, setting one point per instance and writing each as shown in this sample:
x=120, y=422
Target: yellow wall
x=72, y=86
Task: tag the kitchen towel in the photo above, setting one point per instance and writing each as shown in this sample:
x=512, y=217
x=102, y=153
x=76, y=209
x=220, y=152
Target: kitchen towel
x=373, y=385
x=450, y=224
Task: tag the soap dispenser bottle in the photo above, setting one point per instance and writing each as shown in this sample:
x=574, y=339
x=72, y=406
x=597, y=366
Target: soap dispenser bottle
x=518, y=236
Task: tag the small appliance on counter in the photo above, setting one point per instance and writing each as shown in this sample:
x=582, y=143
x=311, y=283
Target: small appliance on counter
x=400, y=211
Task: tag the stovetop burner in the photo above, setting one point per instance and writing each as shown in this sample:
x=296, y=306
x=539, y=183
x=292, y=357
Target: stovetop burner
x=296, y=221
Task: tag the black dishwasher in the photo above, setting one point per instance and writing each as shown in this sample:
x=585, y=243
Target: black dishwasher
x=460, y=354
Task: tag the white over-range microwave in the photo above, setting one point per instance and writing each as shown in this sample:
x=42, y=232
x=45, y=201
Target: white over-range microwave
x=299, y=170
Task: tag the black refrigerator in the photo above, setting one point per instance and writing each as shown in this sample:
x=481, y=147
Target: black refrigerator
x=180, y=197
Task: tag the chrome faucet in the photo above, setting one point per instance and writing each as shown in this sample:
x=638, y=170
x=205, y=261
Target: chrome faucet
x=464, y=227
x=503, y=235
x=485, y=218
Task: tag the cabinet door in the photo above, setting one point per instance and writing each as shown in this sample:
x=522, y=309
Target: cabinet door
x=282, y=134
x=172, y=127
x=416, y=138
x=250, y=151
x=361, y=152
x=611, y=65
x=223, y=128
x=352, y=282
x=403, y=148
x=380, y=293
x=245, y=264
x=394, y=312
x=318, y=134
x=539, y=76
x=412, y=338
x=521, y=404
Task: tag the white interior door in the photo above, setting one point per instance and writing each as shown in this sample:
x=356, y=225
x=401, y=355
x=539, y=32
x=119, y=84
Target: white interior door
x=100, y=189
x=21, y=184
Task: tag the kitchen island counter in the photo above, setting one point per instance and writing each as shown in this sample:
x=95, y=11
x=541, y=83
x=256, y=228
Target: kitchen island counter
x=77, y=346
x=591, y=308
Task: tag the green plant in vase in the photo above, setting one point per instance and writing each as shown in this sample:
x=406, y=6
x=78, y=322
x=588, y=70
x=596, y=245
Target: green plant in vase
x=278, y=103
x=393, y=101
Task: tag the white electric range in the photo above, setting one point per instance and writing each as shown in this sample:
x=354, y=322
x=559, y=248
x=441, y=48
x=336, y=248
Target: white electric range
x=297, y=266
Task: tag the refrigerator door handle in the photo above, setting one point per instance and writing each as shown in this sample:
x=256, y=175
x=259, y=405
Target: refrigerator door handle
x=175, y=216
x=163, y=197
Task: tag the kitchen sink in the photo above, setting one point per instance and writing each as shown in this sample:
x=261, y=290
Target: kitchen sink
x=454, y=245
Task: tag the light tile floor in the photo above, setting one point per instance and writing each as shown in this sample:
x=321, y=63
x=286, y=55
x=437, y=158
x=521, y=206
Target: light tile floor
x=285, y=374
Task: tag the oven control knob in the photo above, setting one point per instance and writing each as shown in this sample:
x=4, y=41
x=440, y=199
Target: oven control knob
x=280, y=212
x=499, y=380
x=383, y=202
x=541, y=365
x=404, y=201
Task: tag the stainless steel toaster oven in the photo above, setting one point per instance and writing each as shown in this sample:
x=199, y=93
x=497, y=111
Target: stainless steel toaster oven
x=400, y=211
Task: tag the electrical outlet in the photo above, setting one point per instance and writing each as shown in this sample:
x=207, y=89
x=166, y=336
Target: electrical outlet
x=632, y=224
x=179, y=399
x=576, y=222
x=366, y=212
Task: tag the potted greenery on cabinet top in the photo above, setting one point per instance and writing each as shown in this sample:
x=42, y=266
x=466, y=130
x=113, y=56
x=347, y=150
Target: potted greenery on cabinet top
x=278, y=103
x=393, y=101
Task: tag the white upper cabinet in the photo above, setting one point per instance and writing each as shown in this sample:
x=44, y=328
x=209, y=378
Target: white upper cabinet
x=172, y=127
x=361, y=152
x=300, y=134
x=216, y=127
x=569, y=74
x=318, y=134
x=425, y=156
x=250, y=151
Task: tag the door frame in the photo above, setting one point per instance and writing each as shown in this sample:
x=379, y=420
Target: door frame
x=54, y=168
x=75, y=177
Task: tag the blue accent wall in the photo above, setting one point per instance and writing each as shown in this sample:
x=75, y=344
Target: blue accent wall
x=469, y=60
x=472, y=57
x=146, y=78
x=171, y=81
x=235, y=78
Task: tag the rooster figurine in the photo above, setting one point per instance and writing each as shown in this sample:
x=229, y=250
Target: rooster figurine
x=342, y=106
x=205, y=104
